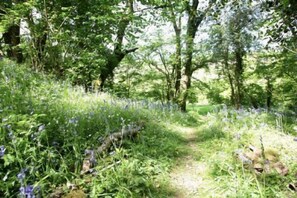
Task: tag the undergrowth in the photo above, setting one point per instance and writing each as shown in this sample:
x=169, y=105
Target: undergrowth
x=226, y=132
x=46, y=126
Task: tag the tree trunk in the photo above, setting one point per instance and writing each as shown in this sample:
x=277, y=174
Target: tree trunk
x=238, y=77
x=269, y=88
x=177, y=63
x=38, y=42
x=118, y=54
x=193, y=22
x=12, y=39
x=232, y=96
x=40, y=46
x=230, y=79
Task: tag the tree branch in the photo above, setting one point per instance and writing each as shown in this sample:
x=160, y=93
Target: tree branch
x=127, y=51
x=114, y=137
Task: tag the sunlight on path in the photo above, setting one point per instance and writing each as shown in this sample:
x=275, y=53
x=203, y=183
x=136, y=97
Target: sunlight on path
x=188, y=179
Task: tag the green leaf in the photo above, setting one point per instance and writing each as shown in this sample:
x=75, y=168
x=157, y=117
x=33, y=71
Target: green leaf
x=8, y=159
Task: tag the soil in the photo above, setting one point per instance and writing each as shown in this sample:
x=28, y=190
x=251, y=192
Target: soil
x=188, y=179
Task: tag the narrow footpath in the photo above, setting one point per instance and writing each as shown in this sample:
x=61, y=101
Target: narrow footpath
x=188, y=178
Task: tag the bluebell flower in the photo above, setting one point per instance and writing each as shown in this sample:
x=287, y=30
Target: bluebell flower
x=55, y=144
x=41, y=128
x=2, y=151
x=21, y=176
x=27, y=191
x=91, y=114
x=10, y=135
x=73, y=121
x=8, y=126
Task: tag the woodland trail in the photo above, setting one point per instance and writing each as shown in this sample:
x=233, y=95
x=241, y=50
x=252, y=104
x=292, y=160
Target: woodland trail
x=188, y=178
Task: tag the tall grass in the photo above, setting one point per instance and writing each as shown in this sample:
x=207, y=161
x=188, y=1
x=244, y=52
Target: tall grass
x=46, y=126
x=226, y=132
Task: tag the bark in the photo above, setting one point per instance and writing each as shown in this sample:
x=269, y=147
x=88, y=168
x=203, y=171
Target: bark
x=232, y=96
x=110, y=140
x=12, y=39
x=194, y=20
x=177, y=63
x=238, y=77
x=38, y=42
x=40, y=45
x=114, y=59
x=269, y=88
x=230, y=78
x=116, y=137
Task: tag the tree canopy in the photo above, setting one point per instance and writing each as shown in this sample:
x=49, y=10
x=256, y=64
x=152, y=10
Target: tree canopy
x=168, y=41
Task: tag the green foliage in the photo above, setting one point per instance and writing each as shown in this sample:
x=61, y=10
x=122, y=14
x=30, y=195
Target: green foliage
x=46, y=127
x=227, y=132
x=255, y=95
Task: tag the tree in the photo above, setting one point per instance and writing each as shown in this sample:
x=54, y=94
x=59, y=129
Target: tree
x=176, y=12
x=281, y=24
x=158, y=57
x=233, y=36
x=11, y=33
x=82, y=40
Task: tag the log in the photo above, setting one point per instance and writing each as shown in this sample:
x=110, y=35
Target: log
x=126, y=131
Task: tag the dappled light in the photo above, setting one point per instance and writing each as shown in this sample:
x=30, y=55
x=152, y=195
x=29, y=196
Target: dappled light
x=148, y=99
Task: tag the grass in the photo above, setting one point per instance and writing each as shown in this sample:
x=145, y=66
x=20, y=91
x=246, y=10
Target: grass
x=203, y=109
x=227, y=131
x=46, y=126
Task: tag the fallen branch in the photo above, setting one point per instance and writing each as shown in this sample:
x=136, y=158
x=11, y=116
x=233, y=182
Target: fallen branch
x=127, y=131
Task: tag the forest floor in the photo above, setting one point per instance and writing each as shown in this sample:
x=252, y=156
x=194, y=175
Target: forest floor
x=48, y=129
x=188, y=178
x=209, y=167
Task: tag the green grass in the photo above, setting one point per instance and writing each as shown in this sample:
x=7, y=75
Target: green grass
x=46, y=126
x=227, y=131
x=203, y=109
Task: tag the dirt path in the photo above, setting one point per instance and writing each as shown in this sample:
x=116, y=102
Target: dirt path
x=187, y=179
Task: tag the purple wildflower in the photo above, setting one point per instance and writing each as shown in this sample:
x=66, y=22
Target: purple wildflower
x=21, y=176
x=73, y=121
x=27, y=191
x=55, y=144
x=10, y=135
x=8, y=126
x=2, y=151
x=41, y=128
